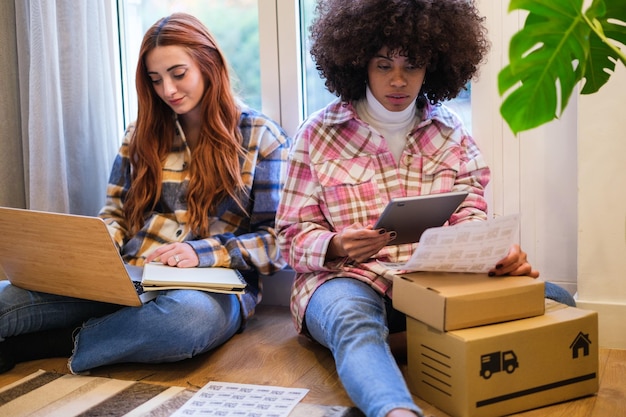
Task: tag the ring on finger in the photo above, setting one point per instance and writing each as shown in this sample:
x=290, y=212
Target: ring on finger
x=176, y=258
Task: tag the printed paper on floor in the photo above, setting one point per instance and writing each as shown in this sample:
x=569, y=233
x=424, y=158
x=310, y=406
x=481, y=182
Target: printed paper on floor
x=240, y=400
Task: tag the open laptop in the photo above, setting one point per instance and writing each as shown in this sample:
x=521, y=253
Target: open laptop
x=67, y=255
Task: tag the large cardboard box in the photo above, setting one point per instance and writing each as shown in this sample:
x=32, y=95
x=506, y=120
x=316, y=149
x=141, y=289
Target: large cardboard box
x=450, y=301
x=505, y=368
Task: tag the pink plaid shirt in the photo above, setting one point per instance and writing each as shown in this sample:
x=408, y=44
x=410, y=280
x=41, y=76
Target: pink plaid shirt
x=341, y=171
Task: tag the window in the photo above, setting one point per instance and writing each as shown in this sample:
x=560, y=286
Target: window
x=316, y=95
x=234, y=23
x=281, y=80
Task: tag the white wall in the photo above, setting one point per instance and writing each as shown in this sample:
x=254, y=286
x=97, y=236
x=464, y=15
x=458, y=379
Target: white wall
x=568, y=181
x=533, y=173
x=602, y=208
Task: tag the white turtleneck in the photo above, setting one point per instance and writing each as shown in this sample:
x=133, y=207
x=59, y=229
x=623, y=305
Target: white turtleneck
x=394, y=126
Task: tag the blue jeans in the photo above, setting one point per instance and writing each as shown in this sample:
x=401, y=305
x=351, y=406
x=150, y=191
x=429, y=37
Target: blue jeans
x=178, y=324
x=556, y=293
x=350, y=318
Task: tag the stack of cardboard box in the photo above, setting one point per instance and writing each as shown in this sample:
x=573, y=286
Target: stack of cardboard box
x=481, y=346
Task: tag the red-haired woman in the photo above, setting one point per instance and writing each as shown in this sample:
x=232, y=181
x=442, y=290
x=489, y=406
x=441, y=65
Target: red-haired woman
x=195, y=184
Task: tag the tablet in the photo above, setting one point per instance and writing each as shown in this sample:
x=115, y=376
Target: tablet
x=410, y=216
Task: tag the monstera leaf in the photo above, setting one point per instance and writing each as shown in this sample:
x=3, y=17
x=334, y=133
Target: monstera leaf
x=559, y=46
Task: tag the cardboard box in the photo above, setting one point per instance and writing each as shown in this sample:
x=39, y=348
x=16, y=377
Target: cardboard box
x=508, y=367
x=450, y=301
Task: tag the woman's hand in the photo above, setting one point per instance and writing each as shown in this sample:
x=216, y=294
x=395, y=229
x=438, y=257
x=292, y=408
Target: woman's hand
x=177, y=254
x=358, y=242
x=515, y=263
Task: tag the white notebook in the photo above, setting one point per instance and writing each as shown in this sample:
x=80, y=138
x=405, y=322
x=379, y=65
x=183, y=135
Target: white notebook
x=157, y=276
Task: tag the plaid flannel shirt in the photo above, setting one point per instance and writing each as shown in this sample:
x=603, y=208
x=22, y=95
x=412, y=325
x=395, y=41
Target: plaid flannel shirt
x=341, y=171
x=246, y=242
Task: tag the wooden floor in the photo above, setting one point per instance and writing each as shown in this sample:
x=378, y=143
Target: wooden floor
x=269, y=352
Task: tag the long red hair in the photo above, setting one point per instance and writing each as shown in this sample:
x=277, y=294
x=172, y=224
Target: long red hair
x=214, y=168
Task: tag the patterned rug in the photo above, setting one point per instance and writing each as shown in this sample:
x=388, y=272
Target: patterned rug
x=53, y=394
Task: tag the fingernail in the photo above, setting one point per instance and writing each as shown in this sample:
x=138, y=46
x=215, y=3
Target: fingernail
x=492, y=274
x=382, y=231
x=393, y=235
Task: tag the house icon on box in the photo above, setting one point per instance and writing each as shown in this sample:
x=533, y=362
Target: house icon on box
x=581, y=342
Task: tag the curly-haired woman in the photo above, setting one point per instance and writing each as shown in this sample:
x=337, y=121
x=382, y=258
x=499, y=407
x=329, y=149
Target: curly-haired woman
x=196, y=183
x=392, y=63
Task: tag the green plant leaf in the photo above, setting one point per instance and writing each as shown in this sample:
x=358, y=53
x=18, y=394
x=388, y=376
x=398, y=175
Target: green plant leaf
x=550, y=49
x=602, y=58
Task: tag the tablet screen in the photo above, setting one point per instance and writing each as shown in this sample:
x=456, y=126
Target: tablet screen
x=410, y=216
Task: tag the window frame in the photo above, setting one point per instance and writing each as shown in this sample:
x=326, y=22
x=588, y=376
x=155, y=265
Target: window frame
x=282, y=95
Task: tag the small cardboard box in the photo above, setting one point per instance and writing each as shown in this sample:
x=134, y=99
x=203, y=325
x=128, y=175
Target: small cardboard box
x=508, y=367
x=451, y=301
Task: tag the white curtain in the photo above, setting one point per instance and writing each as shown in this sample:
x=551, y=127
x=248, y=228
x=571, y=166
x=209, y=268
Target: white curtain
x=68, y=102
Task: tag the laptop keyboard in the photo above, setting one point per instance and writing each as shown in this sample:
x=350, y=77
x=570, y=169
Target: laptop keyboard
x=138, y=287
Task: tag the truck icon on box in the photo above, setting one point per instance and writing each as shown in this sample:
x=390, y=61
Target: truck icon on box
x=493, y=362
